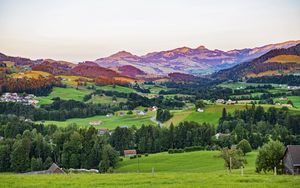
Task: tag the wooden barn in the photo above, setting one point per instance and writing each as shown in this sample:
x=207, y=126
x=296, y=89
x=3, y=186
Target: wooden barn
x=54, y=169
x=129, y=153
x=291, y=160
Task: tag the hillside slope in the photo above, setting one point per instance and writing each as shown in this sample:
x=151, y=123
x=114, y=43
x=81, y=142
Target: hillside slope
x=277, y=61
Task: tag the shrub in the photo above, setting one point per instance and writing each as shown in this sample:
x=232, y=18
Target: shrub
x=139, y=155
x=194, y=148
x=244, y=146
x=146, y=154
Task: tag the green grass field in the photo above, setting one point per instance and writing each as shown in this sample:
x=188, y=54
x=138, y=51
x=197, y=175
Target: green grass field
x=211, y=114
x=106, y=100
x=64, y=93
x=107, y=122
x=193, y=169
x=294, y=99
x=121, y=89
x=199, y=161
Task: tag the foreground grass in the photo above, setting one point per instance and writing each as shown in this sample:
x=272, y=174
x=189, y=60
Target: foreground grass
x=193, y=169
x=147, y=180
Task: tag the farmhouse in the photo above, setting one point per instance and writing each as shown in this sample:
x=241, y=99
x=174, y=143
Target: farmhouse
x=129, y=153
x=230, y=102
x=54, y=169
x=94, y=123
x=200, y=110
x=220, y=101
x=103, y=131
x=291, y=159
x=219, y=135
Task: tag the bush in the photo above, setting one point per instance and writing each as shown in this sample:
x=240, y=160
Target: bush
x=146, y=154
x=139, y=155
x=120, y=159
x=132, y=157
x=269, y=156
x=171, y=151
x=244, y=146
x=194, y=148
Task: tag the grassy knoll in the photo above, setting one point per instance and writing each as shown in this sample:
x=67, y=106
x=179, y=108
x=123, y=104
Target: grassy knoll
x=117, y=88
x=64, y=93
x=30, y=74
x=72, y=80
x=211, y=114
x=107, y=122
x=200, y=161
x=194, y=169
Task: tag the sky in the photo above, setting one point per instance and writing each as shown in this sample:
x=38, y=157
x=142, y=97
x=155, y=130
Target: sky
x=77, y=30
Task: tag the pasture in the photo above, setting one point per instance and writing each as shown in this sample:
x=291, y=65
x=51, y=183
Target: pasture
x=64, y=93
x=107, y=122
x=193, y=169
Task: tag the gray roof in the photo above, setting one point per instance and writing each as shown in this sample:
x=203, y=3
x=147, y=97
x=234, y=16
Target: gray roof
x=294, y=150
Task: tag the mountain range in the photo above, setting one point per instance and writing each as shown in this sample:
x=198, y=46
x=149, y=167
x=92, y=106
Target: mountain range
x=183, y=63
x=187, y=60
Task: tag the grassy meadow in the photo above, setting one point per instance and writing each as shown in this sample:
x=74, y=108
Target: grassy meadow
x=64, y=93
x=107, y=122
x=193, y=169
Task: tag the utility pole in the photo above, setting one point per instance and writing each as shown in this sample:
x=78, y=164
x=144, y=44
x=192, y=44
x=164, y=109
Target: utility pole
x=230, y=164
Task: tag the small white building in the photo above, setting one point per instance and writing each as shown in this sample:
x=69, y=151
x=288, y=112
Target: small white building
x=200, y=110
x=220, y=101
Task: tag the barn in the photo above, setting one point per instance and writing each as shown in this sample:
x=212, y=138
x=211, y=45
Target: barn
x=129, y=152
x=54, y=169
x=291, y=160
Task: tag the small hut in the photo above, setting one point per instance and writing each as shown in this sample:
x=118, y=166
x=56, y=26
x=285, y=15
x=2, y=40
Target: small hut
x=291, y=159
x=54, y=169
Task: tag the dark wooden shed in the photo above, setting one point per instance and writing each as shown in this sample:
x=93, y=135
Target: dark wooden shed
x=291, y=159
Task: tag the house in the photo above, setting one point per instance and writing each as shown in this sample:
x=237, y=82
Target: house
x=219, y=135
x=153, y=108
x=54, y=169
x=129, y=152
x=103, y=131
x=94, y=123
x=121, y=114
x=141, y=113
x=230, y=102
x=291, y=159
x=200, y=110
x=220, y=101
x=109, y=115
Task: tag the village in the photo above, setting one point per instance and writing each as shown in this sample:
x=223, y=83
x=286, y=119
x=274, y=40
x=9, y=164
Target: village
x=26, y=99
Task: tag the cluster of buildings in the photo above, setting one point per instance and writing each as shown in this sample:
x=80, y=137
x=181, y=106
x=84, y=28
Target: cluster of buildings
x=222, y=101
x=24, y=99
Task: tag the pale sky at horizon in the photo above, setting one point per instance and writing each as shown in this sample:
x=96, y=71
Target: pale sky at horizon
x=77, y=30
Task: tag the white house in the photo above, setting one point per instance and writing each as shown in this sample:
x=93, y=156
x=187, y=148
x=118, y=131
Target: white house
x=200, y=110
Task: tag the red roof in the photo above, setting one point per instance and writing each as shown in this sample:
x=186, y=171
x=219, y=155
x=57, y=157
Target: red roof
x=130, y=152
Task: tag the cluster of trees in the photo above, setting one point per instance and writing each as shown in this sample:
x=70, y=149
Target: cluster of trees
x=201, y=90
x=257, y=126
x=134, y=100
x=163, y=115
x=151, y=139
x=37, y=147
x=41, y=86
x=291, y=80
x=59, y=110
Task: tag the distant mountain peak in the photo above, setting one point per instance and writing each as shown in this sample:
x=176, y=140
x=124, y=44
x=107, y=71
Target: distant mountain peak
x=121, y=54
x=201, y=47
x=182, y=49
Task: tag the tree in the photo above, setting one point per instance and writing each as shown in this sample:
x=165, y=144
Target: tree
x=110, y=158
x=269, y=156
x=233, y=158
x=19, y=157
x=36, y=164
x=199, y=104
x=244, y=146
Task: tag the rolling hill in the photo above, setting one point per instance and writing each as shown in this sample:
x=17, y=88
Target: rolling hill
x=275, y=62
